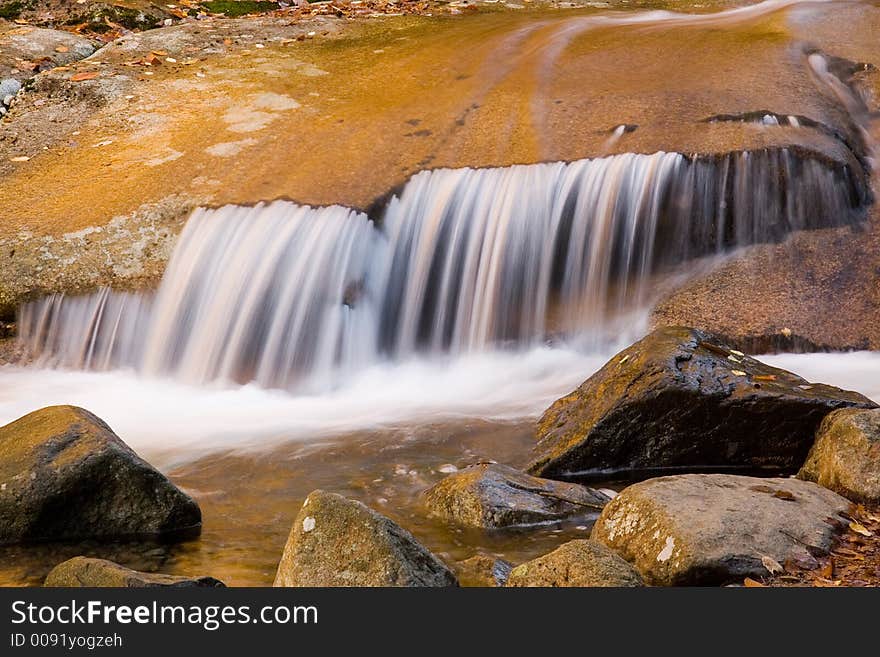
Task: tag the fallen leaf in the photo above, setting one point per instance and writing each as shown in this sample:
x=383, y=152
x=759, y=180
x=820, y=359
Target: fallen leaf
x=737, y=372
x=773, y=566
x=784, y=495
x=734, y=359
x=750, y=583
x=827, y=570
x=62, y=49
x=736, y=353
x=19, y=158
x=765, y=377
x=85, y=75
x=623, y=360
x=859, y=528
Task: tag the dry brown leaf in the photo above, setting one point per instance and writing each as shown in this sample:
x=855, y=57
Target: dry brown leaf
x=859, y=528
x=750, y=583
x=765, y=377
x=827, y=570
x=85, y=75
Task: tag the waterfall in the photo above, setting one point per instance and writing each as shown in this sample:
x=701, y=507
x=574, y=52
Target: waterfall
x=460, y=260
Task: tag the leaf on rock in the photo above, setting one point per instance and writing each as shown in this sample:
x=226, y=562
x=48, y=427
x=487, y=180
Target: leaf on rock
x=85, y=75
x=750, y=583
x=859, y=528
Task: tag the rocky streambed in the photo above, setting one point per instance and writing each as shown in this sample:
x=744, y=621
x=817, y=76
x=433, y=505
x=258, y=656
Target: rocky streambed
x=478, y=521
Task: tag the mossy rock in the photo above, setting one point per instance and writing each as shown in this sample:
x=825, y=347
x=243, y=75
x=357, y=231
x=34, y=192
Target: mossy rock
x=64, y=475
x=87, y=572
x=581, y=563
x=340, y=542
x=237, y=8
x=846, y=455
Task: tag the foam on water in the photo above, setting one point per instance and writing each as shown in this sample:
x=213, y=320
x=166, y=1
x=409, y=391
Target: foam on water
x=171, y=422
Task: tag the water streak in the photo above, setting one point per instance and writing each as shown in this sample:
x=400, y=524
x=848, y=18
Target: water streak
x=461, y=261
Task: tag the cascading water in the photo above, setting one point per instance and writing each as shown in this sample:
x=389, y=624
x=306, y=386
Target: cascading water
x=460, y=261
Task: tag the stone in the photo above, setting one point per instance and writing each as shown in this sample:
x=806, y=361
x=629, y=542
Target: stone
x=66, y=476
x=682, y=399
x=47, y=47
x=88, y=572
x=483, y=570
x=713, y=529
x=336, y=541
x=580, y=563
x=491, y=496
x=846, y=455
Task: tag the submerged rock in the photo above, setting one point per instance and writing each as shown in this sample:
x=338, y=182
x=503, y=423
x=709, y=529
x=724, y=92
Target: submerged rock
x=577, y=563
x=340, y=542
x=846, y=455
x=84, y=571
x=680, y=398
x=489, y=495
x=483, y=570
x=65, y=475
x=717, y=529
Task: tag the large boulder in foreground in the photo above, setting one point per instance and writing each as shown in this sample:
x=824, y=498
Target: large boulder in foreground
x=680, y=398
x=846, y=455
x=580, y=563
x=64, y=475
x=490, y=496
x=88, y=572
x=340, y=542
x=716, y=529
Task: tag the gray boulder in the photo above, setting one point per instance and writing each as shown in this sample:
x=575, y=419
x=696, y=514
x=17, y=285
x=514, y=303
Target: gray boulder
x=64, y=475
x=340, y=542
x=580, y=563
x=490, y=495
x=681, y=399
x=87, y=572
x=716, y=529
x=846, y=455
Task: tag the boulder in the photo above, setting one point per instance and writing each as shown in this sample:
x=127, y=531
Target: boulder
x=340, y=542
x=64, y=475
x=39, y=49
x=483, y=570
x=87, y=572
x=846, y=455
x=682, y=399
x=715, y=529
x=490, y=496
x=579, y=563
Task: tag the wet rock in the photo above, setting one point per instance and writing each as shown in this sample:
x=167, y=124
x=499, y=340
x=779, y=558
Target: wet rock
x=483, y=570
x=846, y=455
x=490, y=495
x=65, y=475
x=681, y=398
x=84, y=571
x=340, y=542
x=717, y=529
x=576, y=564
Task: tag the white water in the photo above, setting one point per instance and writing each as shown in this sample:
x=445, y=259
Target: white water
x=463, y=261
x=169, y=422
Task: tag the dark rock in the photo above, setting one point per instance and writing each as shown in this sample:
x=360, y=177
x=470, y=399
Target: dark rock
x=483, y=570
x=681, y=399
x=846, y=455
x=65, y=475
x=717, y=529
x=489, y=495
x=340, y=542
x=576, y=564
x=87, y=572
